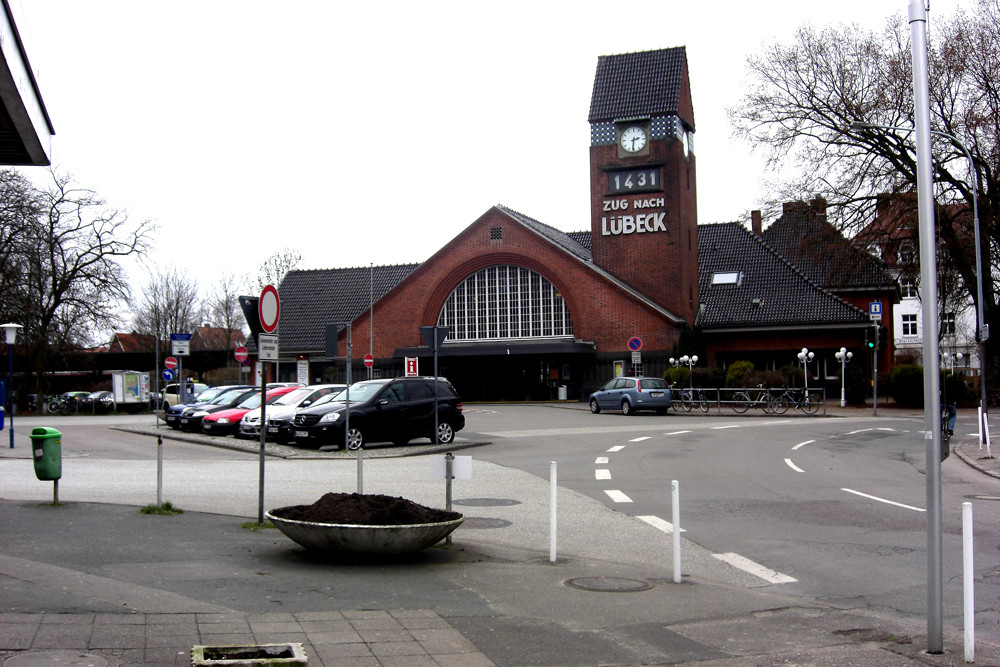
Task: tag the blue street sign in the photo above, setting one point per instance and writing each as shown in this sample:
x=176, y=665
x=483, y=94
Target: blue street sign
x=168, y=374
x=635, y=343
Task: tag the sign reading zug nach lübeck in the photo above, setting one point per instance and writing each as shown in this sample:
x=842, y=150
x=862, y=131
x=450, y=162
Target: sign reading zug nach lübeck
x=637, y=223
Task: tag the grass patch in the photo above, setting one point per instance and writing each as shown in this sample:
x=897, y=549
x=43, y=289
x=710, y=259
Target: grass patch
x=165, y=509
x=254, y=526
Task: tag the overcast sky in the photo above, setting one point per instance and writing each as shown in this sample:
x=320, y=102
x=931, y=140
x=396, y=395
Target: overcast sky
x=374, y=132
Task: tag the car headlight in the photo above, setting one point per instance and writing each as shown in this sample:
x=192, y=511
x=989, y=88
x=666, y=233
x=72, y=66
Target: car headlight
x=330, y=417
x=222, y=420
x=199, y=413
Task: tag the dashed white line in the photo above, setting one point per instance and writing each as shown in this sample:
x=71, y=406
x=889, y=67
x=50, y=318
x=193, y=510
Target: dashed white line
x=883, y=500
x=601, y=460
x=677, y=433
x=657, y=522
x=645, y=437
x=617, y=496
x=803, y=444
x=616, y=448
x=756, y=569
x=793, y=466
x=722, y=428
x=602, y=473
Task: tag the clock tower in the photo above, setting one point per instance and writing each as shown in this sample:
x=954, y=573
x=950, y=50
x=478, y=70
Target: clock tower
x=644, y=215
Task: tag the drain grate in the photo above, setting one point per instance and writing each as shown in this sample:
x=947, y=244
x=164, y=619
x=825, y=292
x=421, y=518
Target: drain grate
x=486, y=502
x=483, y=522
x=609, y=584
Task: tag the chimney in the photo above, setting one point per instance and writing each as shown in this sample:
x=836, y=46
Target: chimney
x=755, y=223
x=819, y=205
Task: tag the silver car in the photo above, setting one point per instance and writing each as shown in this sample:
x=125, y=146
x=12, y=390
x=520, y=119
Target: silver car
x=630, y=394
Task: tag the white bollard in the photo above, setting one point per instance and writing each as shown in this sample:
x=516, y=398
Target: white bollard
x=552, y=511
x=676, y=518
x=968, y=576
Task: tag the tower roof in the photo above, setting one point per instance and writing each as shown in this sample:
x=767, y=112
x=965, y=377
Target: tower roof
x=646, y=83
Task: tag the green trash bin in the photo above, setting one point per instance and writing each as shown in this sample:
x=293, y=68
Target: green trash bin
x=46, y=448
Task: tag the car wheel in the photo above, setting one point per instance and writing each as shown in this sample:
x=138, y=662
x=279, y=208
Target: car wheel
x=627, y=408
x=355, y=439
x=446, y=434
x=594, y=407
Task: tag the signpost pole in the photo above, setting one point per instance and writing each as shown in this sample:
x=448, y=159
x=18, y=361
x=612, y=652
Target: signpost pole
x=268, y=312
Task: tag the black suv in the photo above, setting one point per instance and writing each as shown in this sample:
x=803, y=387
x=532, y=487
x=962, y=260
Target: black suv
x=394, y=410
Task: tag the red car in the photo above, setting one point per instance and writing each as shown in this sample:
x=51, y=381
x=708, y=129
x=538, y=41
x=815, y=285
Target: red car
x=225, y=422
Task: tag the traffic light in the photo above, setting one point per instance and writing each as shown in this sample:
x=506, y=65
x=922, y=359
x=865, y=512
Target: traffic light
x=869, y=338
x=883, y=338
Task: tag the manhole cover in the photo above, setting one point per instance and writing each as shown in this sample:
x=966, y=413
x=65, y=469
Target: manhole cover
x=58, y=659
x=486, y=502
x=609, y=584
x=483, y=522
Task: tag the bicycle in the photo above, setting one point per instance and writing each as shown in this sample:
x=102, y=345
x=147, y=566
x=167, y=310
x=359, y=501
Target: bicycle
x=691, y=399
x=742, y=401
x=808, y=403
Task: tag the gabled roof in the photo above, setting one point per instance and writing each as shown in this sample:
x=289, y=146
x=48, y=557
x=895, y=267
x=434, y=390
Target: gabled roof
x=804, y=236
x=216, y=338
x=315, y=298
x=769, y=290
x=647, y=83
x=571, y=243
x=132, y=342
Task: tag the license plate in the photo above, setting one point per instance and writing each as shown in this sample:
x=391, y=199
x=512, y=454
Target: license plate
x=272, y=429
x=301, y=434
x=656, y=394
x=184, y=420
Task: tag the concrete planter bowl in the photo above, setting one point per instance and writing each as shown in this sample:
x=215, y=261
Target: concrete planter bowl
x=348, y=539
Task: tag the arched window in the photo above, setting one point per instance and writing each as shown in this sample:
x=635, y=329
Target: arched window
x=504, y=302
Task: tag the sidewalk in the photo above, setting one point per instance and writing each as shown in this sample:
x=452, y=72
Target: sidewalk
x=97, y=583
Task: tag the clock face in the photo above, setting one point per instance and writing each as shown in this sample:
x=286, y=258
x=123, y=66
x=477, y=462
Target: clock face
x=633, y=139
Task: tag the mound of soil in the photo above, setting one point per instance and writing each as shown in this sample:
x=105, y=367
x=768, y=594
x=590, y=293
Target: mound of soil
x=364, y=510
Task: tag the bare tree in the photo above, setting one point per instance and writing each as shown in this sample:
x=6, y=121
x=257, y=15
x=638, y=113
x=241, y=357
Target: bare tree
x=169, y=304
x=274, y=268
x=806, y=97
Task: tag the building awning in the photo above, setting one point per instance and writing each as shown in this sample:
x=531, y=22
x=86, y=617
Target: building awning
x=500, y=348
x=25, y=129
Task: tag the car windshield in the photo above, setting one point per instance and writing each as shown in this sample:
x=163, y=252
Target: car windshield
x=209, y=394
x=251, y=402
x=654, y=383
x=360, y=392
x=225, y=396
x=96, y=394
x=293, y=397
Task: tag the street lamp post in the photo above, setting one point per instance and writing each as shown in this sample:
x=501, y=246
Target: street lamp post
x=805, y=356
x=686, y=361
x=843, y=356
x=11, y=330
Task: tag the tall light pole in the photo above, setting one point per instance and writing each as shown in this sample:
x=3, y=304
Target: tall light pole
x=10, y=329
x=805, y=356
x=843, y=356
x=686, y=361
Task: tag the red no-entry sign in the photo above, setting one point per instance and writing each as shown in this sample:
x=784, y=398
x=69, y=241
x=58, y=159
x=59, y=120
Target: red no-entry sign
x=170, y=362
x=241, y=354
x=369, y=360
x=269, y=308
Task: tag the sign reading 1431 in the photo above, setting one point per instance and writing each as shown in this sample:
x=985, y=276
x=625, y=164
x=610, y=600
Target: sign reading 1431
x=634, y=180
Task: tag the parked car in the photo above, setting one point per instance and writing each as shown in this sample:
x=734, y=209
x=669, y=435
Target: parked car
x=171, y=394
x=173, y=414
x=225, y=422
x=278, y=415
x=100, y=402
x=393, y=410
x=190, y=418
x=631, y=394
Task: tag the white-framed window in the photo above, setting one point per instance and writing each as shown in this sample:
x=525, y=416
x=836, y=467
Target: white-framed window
x=948, y=324
x=908, y=289
x=504, y=302
x=726, y=278
x=910, y=324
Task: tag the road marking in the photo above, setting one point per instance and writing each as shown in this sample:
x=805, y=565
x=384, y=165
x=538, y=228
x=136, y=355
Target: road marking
x=617, y=496
x=616, y=448
x=860, y=430
x=756, y=569
x=793, y=466
x=657, y=522
x=600, y=460
x=645, y=437
x=803, y=444
x=602, y=473
x=677, y=433
x=883, y=500
x=721, y=428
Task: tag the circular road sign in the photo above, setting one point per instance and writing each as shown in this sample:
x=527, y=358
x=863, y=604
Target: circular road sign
x=241, y=354
x=268, y=308
x=369, y=360
x=170, y=362
x=168, y=374
x=635, y=343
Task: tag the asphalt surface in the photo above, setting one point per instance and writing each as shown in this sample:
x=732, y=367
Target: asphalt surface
x=91, y=581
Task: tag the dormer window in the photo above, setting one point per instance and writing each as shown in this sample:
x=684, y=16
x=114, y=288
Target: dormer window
x=727, y=278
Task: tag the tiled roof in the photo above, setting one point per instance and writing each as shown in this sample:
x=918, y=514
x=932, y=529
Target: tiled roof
x=804, y=236
x=216, y=338
x=647, y=83
x=784, y=295
x=571, y=243
x=132, y=342
x=314, y=298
